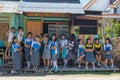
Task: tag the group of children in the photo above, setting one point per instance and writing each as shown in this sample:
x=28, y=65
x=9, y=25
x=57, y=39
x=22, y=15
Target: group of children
x=69, y=49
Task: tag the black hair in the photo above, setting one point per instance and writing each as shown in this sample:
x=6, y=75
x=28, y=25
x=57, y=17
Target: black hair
x=47, y=36
x=12, y=28
x=37, y=36
x=41, y=34
x=96, y=39
x=79, y=40
x=108, y=40
x=62, y=34
x=14, y=39
x=29, y=33
x=72, y=37
x=20, y=27
x=87, y=40
x=55, y=37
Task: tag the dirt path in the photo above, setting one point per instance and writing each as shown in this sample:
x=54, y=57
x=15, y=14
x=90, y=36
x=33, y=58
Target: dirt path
x=64, y=77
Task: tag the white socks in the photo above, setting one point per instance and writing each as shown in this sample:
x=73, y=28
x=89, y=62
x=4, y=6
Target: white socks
x=79, y=65
x=51, y=63
x=55, y=64
x=28, y=64
x=65, y=63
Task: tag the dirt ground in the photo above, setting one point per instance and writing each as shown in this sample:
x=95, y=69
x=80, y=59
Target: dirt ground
x=64, y=77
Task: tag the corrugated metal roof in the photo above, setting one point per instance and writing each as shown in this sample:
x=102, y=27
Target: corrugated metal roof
x=8, y=7
x=54, y=1
x=10, y=0
x=74, y=8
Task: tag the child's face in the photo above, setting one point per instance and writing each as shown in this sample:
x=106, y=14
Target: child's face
x=107, y=41
x=30, y=36
x=16, y=40
x=80, y=42
x=46, y=38
x=63, y=37
x=96, y=41
x=53, y=37
x=20, y=30
x=13, y=30
x=37, y=39
x=89, y=41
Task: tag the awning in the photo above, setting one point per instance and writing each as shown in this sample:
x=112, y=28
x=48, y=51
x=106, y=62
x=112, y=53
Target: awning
x=73, y=8
x=116, y=16
x=9, y=7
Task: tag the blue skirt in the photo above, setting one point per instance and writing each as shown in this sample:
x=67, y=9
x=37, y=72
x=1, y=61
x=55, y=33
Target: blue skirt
x=27, y=53
x=17, y=61
x=64, y=53
x=35, y=58
x=109, y=56
x=80, y=54
x=53, y=57
x=89, y=57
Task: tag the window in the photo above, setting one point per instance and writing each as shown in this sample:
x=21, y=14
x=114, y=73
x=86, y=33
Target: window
x=88, y=30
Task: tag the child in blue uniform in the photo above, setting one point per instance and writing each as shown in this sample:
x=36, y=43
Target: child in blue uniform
x=80, y=54
x=108, y=53
x=64, y=49
x=46, y=52
x=17, y=60
x=34, y=52
x=53, y=51
x=27, y=46
x=89, y=53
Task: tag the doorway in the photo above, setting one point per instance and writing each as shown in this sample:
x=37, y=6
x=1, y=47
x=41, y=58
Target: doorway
x=36, y=27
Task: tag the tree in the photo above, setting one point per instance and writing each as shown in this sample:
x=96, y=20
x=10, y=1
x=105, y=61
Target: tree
x=117, y=29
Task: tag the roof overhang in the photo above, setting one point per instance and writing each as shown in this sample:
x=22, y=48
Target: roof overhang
x=72, y=8
x=114, y=16
x=9, y=7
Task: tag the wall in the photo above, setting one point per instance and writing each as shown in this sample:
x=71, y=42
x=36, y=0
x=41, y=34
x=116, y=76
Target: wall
x=14, y=20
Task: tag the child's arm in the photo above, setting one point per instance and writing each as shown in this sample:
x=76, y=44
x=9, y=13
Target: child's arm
x=18, y=49
x=31, y=51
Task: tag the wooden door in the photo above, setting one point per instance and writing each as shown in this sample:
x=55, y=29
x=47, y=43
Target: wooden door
x=36, y=27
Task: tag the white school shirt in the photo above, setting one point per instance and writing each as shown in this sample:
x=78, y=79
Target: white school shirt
x=10, y=36
x=20, y=38
x=107, y=45
x=56, y=44
x=63, y=42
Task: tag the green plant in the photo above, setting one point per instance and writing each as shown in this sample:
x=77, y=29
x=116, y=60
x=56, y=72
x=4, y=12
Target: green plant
x=117, y=29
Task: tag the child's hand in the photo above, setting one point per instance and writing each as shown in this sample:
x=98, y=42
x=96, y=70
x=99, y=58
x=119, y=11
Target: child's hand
x=107, y=53
x=55, y=47
x=30, y=53
x=21, y=35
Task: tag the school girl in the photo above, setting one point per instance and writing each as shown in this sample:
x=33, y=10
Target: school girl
x=46, y=52
x=89, y=53
x=9, y=43
x=34, y=52
x=108, y=52
x=80, y=54
x=17, y=60
x=53, y=50
x=64, y=49
x=98, y=47
x=27, y=46
x=20, y=34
